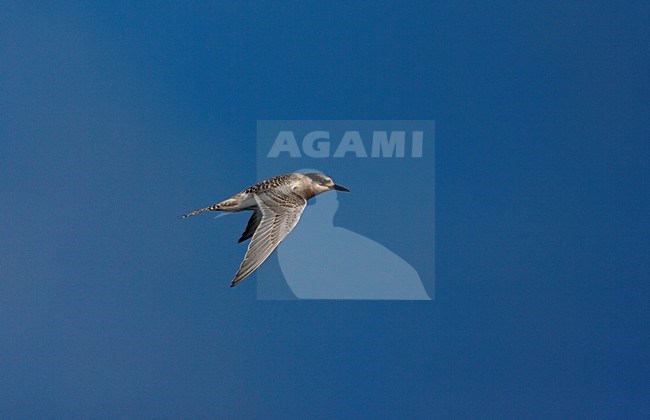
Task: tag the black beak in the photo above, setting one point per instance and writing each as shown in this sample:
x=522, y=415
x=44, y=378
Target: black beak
x=340, y=188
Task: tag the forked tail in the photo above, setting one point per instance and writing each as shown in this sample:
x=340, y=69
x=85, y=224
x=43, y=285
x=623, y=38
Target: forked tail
x=213, y=207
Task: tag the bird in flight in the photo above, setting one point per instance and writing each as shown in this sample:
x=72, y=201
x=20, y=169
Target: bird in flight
x=277, y=204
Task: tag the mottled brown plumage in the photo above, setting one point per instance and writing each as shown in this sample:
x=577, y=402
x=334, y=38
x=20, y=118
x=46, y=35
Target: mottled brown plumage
x=277, y=204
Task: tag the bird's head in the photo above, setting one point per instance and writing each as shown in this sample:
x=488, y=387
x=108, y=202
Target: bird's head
x=322, y=183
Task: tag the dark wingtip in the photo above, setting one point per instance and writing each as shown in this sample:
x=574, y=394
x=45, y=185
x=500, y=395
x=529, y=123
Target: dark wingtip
x=235, y=281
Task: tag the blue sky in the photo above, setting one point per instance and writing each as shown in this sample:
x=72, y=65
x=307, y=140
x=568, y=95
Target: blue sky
x=116, y=117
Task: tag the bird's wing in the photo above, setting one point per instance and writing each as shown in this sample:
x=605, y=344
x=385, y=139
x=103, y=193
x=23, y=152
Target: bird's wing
x=252, y=225
x=281, y=209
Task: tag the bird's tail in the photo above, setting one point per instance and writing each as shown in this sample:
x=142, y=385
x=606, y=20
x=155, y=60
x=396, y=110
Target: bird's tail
x=213, y=207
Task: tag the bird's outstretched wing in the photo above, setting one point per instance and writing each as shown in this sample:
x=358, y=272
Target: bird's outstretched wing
x=280, y=209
